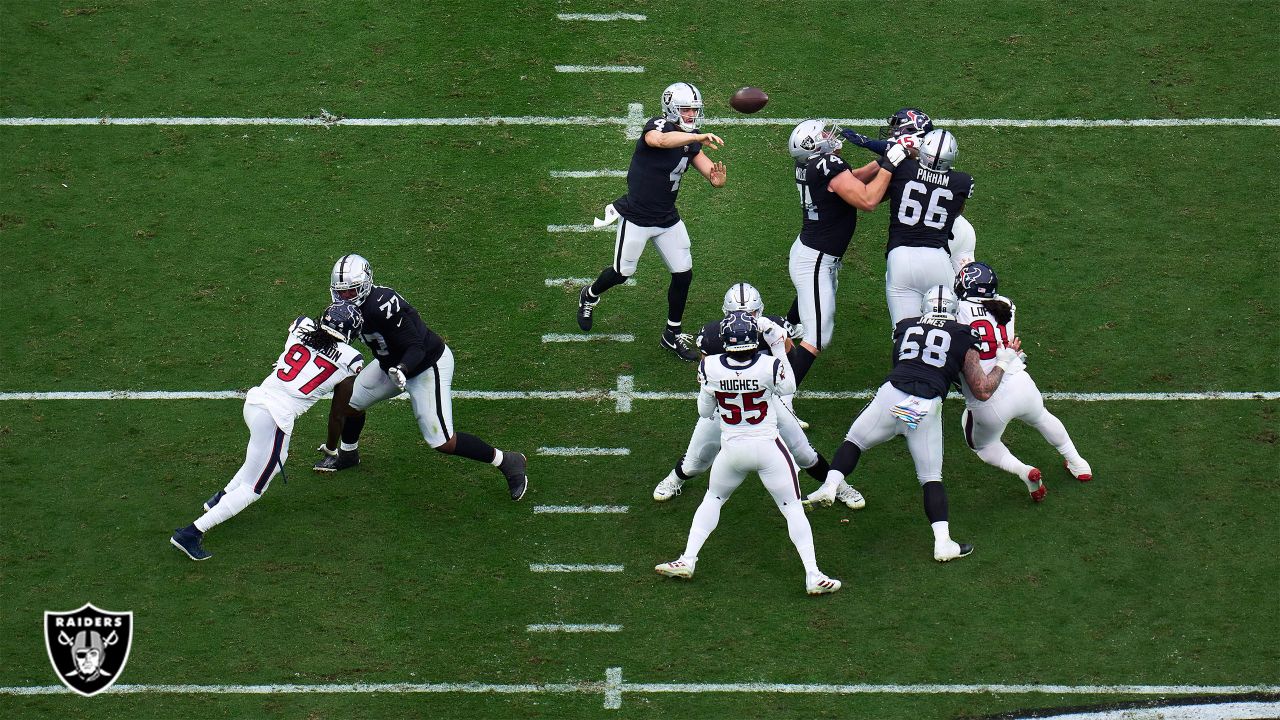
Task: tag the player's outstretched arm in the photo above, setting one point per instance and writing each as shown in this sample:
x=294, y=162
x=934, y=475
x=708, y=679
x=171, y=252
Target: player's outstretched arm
x=714, y=172
x=678, y=138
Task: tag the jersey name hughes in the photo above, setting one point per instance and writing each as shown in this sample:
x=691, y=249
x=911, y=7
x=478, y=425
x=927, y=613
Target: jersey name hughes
x=739, y=385
x=936, y=178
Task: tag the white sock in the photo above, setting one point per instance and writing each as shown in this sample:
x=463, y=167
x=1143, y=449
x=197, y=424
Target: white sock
x=705, y=521
x=801, y=536
x=348, y=446
x=834, y=477
x=674, y=477
x=941, y=532
x=497, y=458
x=228, y=507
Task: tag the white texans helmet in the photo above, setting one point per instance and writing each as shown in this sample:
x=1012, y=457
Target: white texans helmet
x=812, y=136
x=680, y=96
x=351, y=272
x=938, y=151
x=940, y=301
x=742, y=296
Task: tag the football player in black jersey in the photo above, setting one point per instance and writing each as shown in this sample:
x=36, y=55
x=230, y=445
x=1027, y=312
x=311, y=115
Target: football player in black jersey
x=831, y=193
x=411, y=358
x=668, y=146
x=929, y=354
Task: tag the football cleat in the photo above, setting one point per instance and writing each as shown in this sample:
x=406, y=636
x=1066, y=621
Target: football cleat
x=585, y=308
x=676, y=569
x=668, y=488
x=681, y=345
x=1039, y=493
x=950, y=550
x=851, y=498
x=187, y=540
x=1079, y=469
x=821, y=585
x=514, y=465
x=333, y=463
x=208, y=504
x=822, y=497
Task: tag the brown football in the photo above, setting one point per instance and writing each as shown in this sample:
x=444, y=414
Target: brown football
x=749, y=100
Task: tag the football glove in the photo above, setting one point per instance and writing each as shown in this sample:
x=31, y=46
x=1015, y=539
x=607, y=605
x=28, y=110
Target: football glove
x=892, y=157
x=1008, y=360
x=397, y=376
x=854, y=137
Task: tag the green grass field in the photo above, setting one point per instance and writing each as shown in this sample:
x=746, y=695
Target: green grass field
x=171, y=258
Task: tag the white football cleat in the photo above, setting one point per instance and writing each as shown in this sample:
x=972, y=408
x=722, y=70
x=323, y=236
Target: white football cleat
x=822, y=497
x=851, y=498
x=950, y=550
x=821, y=585
x=1079, y=469
x=668, y=488
x=676, y=569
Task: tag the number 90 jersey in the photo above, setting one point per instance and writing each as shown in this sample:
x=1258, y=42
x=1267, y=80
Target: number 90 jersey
x=738, y=393
x=303, y=374
x=923, y=205
x=928, y=355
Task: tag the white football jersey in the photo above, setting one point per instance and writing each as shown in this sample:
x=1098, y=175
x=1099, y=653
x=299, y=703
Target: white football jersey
x=303, y=375
x=738, y=393
x=990, y=331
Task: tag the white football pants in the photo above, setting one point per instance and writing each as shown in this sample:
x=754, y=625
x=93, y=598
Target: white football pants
x=430, y=394
x=264, y=457
x=672, y=244
x=705, y=441
x=876, y=424
x=815, y=275
x=910, y=273
x=1017, y=398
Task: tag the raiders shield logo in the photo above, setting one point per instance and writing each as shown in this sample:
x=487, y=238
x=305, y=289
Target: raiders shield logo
x=88, y=647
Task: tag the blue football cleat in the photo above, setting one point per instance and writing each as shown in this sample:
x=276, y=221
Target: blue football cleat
x=187, y=540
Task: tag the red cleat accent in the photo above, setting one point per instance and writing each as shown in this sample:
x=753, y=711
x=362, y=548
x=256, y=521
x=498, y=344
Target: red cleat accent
x=1082, y=477
x=1039, y=493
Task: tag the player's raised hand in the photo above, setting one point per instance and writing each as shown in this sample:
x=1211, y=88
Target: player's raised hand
x=718, y=174
x=711, y=140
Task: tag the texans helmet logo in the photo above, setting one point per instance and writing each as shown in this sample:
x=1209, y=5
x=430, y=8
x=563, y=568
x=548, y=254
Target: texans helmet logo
x=969, y=276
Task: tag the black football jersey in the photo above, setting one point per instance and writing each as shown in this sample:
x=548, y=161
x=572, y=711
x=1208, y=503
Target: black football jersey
x=923, y=205
x=928, y=357
x=395, y=333
x=709, y=342
x=828, y=220
x=653, y=180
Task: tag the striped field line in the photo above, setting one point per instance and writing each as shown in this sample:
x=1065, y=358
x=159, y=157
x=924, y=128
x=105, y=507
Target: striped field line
x=580, y=228
x=581, y=509
x=580, y=282
x=582, y=451
x=599, y=68
x=559, y=568
x=580, y=337
x=573, y=628
x=588, y=173
x=601, y=17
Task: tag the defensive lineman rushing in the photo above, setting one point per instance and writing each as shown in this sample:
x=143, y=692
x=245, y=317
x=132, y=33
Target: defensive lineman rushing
x=411, y=358
x=929, y=353
x=668, y=145
x=831, y=193
x=316, y=359
x=992, y=318
x=704, y=443
x=738, y=387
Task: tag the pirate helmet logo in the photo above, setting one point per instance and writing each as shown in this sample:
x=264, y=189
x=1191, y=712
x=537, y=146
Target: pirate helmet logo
x=88, y=647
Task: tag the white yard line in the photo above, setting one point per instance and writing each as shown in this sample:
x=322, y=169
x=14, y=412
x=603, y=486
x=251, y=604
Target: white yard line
x=579, y=282
x=580, y=337
x=601, y=17
x=559, y=568
x=635, y=121
x=588, y=173
x=581, y=509
x=599, y=68
x=582, y=451
x=572, y=628
x=580, y=229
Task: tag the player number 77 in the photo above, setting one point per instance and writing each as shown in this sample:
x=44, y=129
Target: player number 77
x=296, y=359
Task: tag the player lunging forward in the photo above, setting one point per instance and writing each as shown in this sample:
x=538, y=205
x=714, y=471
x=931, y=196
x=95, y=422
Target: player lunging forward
x=316, y=359
x=929, y=354
x=992, y=318
x=738, y=386
x=668, y=146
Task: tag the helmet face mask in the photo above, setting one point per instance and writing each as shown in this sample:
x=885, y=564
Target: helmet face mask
x=350, y=273
x=342, y=320
x=743, y=297
x=814, y=136
x=976, y=281
x=907, y=121
x=739, y=332
x=678, y=97
x=938, y=151
x=940, y=301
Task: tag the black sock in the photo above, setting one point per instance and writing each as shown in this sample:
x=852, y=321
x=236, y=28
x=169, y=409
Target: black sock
x=935, y=501
x=793, y=315
x=352, y=426
x=677, y=296
x=846, y=458
x=680, y=469
x=473, y=448
x=818, y=470
x=609, y=278
x=192, y=528
x=801, y=360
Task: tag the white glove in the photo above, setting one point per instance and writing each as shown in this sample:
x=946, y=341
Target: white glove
x=892, y=157
x=397, y=376
x=1007, y=360
x=771, y=332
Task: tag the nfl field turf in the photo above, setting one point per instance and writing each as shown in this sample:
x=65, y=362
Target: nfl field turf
x=172, y=258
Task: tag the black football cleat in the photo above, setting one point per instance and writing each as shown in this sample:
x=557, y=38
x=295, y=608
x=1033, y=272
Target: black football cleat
x=951, y=550
x=333, y=463
x=681, y=345
x=217, y=497
x=585, y=308
x=514, y=465
x=187, y=540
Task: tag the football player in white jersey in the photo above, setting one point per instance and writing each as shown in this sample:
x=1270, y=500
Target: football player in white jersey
x=317, y=359
x=992, y=318
x=737, y=386
x=704, y=443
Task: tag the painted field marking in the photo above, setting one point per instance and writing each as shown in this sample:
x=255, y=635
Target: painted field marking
x=579, y=229
x=599, y=68
x=601, y=17
x=572, y=628
x=635, y=121
x=582, y=451
x=580, y=337
x=559, y=568
x=580, y=282
x=588, y=173
x=581, y=509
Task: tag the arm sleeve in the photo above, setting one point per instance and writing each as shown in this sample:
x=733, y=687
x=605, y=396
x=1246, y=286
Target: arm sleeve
x=706, y=403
